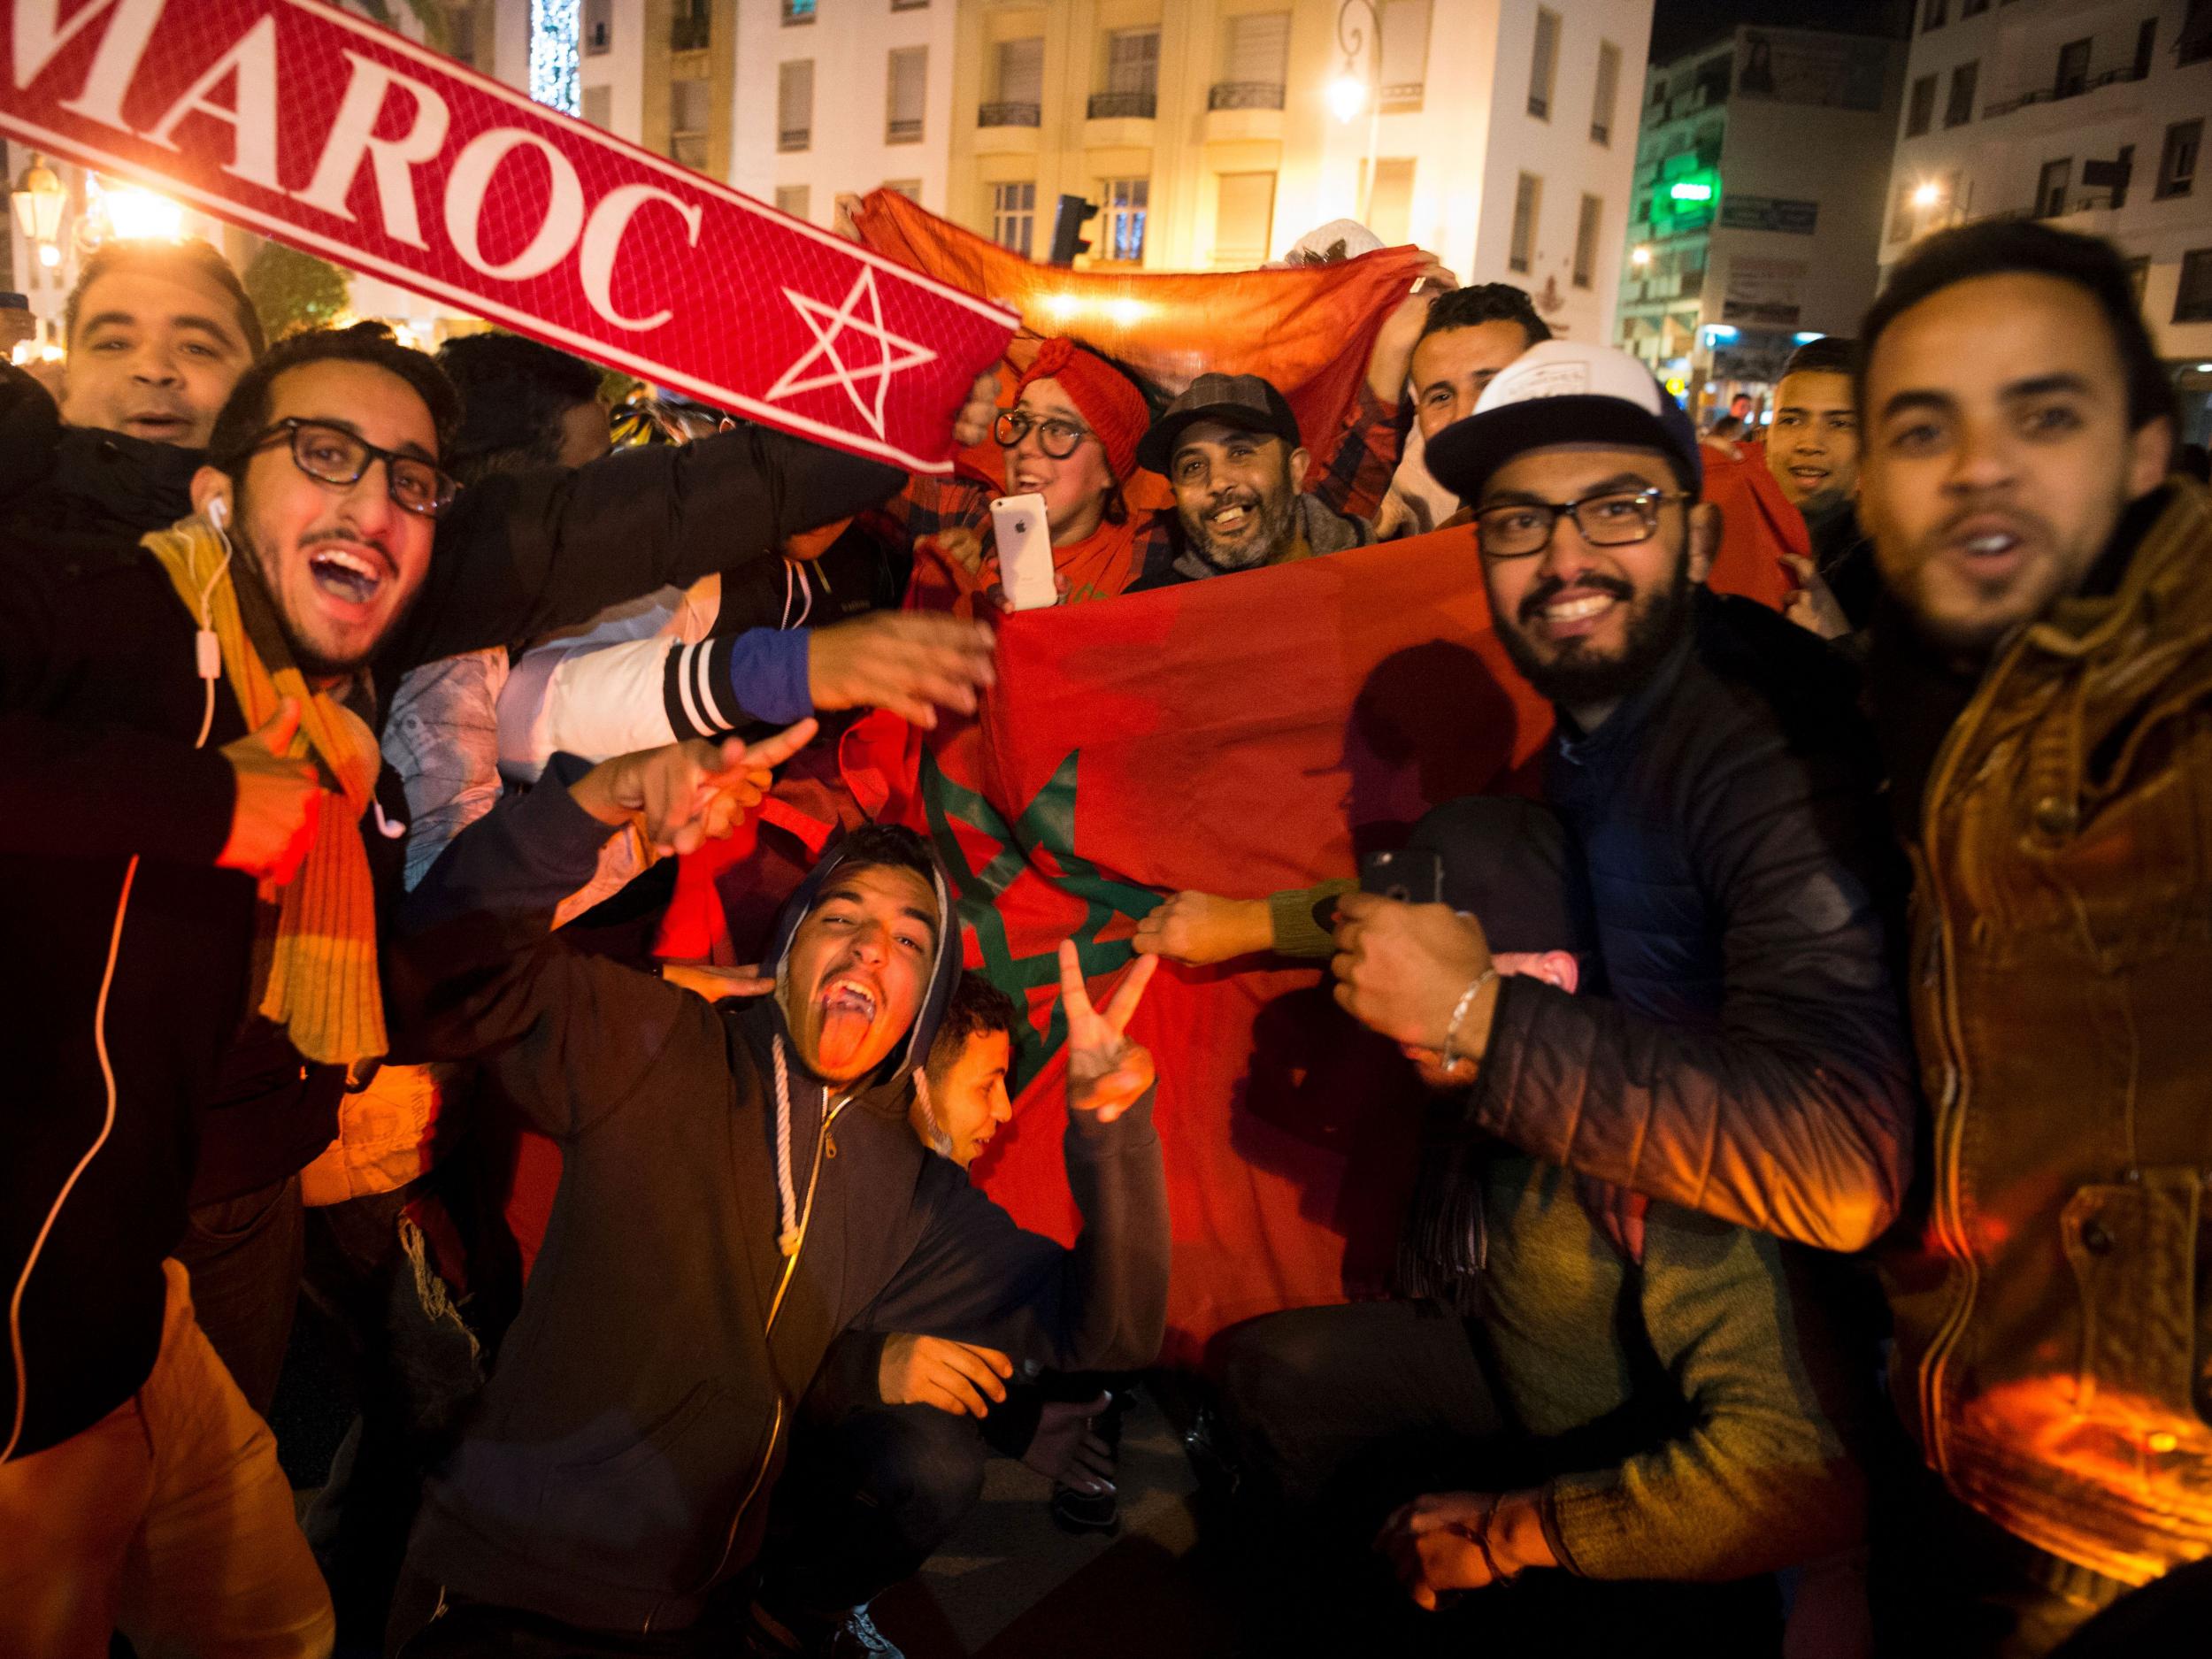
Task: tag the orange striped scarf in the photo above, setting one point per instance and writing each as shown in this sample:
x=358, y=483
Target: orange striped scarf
x=319, y=951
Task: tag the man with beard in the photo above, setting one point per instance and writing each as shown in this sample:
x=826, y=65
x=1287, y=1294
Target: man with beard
x=1230, y=449
x=2041, y=673
x=1747, y=1057
x=739, y=1185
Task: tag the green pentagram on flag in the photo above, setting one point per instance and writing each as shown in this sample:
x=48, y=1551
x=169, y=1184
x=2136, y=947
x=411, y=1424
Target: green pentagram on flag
x=1046, y=825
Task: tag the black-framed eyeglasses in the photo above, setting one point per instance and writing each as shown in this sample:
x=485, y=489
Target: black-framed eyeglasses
x=331, y=454
x=1057, y=438
x=1615, y=518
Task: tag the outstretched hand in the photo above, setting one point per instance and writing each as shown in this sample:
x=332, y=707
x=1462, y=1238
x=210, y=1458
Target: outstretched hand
x=912, y=663
x=1107, y=1073
x=686, y=794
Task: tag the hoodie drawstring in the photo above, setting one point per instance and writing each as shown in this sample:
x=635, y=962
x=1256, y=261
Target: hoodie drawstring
x=786, y=1191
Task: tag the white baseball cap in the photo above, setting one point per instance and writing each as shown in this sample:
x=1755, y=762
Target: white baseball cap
x=1563, y=391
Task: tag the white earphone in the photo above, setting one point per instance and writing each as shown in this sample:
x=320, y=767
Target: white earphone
x=218, y=514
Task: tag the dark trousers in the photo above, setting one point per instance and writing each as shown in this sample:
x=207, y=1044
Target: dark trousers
x=863, y=1503
x=245, y=1256
x=1948, y=1581
x=1336, y=1416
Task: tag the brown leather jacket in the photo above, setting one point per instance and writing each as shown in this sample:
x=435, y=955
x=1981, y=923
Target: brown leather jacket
x=2054, y=1315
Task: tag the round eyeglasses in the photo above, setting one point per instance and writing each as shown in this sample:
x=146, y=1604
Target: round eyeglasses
x=1615, y=518
x=1058, y=439
x=331, y=454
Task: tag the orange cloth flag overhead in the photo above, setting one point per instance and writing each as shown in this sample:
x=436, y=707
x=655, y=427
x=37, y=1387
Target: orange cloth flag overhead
x=1308, y=330
x=1240, y=736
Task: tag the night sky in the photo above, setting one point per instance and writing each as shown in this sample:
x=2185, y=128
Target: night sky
x=1680, y=26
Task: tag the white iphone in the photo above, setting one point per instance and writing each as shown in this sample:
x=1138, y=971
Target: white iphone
x=1024, y=552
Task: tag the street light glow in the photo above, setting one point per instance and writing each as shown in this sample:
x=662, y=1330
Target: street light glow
x=1348, y=96
x=1926, y=195
x=140, y=215
x=1641, y=256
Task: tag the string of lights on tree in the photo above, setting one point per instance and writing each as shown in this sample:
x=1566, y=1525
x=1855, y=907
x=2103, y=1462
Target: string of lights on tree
x=556, y=49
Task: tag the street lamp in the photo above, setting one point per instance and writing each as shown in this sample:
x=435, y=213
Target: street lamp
x=39, y=198
x=1926, y=195
x=1640, y=256
x=1351, y=91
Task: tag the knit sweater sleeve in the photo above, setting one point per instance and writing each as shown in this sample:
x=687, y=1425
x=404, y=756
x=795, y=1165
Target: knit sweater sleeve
x=1761, y=1478
x=1295, y=917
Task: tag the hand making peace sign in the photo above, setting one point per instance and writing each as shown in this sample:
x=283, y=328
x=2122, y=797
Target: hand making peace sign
x=1107, y=1073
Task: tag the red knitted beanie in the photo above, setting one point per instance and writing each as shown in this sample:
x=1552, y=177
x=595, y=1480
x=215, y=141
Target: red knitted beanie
x=1107, y=400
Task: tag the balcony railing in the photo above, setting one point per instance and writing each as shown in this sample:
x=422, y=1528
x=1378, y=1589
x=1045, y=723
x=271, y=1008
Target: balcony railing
x=795, y=138
x=1008, y=115
x=2053, y=95
x=1113, y=106
x=1244, y=95
x=1405, y=94
x=902, y=133
x=690, y=32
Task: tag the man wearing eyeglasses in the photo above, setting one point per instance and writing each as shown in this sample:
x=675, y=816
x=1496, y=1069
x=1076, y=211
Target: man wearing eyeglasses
x=1748, y=1058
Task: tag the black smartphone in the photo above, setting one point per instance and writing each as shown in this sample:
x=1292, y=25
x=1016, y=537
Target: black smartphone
x=1411, y=875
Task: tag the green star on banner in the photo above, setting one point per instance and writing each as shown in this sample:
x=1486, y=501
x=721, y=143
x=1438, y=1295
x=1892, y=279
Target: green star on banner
x=1047, y=824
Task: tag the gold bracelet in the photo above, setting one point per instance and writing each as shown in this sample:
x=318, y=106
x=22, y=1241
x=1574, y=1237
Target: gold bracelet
x=1459, y=1012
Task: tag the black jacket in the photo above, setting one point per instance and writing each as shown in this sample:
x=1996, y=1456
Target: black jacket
x=618, y=1462
x=99, y=704
x=1749, y=1056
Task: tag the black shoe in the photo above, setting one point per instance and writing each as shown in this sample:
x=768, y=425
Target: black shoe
x=850, y=1634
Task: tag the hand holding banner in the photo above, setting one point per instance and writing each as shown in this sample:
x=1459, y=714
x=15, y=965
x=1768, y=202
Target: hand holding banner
x=347, y=140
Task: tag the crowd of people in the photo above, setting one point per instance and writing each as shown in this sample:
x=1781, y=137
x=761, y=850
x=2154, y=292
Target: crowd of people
x=1804, y=1253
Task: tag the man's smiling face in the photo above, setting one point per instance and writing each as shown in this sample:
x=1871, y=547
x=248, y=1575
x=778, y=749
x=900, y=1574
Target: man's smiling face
x=858, y=966
x=1235, y=491
x=155, y=356
x=1813, y=446
x=342, y=562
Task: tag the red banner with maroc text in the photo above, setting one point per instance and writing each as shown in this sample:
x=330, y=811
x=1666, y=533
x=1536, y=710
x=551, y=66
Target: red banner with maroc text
x=316, y=128
x=1238, y=736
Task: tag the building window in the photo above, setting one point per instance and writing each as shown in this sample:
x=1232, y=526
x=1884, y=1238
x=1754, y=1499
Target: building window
x=1125, y=201
x=2073, y=70
x=2138, y=272
x=2050, y=187
x=1609, y=91
x=909, y=85
x=1256, y=64
x=1014, y=216
x=599, y=107
x=909, y=5
x=1972, y=8
x=1933, y=18
x=1021, y=85
x=598, y=26
x=1921, y=113
x=794, y=199
x=1390, y=201
x=1586, y=241
x=1527, y=193
x=1960, y=109
x=2192, y=299
x=1404, y=53
x=1901, y=217
x=2145, y=44
x=910, y=188
x=2194, y=44
x=1244, y=218
x=797, y=11
x=2178, y=161
x=794, y=105
x=1543, y=67
x=689, y=119
x=691, y=26
x=1133, y=76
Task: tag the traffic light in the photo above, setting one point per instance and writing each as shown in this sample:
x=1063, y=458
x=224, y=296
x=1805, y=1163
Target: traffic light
x=1067, y=228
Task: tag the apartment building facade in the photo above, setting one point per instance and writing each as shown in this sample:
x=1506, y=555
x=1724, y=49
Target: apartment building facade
x=1212, y=133
x=1756, y=219
x=2090, y=114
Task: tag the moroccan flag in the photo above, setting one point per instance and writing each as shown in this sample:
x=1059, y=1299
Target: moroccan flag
x=1308, y=330
x=1238, y=736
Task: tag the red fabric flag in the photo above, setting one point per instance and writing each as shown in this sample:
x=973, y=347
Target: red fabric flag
x=351, y=141
x=1308, y=330
x=1758, y=526
x=1238, y=736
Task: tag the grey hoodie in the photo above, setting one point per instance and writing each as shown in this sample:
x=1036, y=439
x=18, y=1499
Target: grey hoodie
x=617, y=1465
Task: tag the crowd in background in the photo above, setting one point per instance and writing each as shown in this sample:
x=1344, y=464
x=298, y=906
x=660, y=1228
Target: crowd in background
x=1804, y=1251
